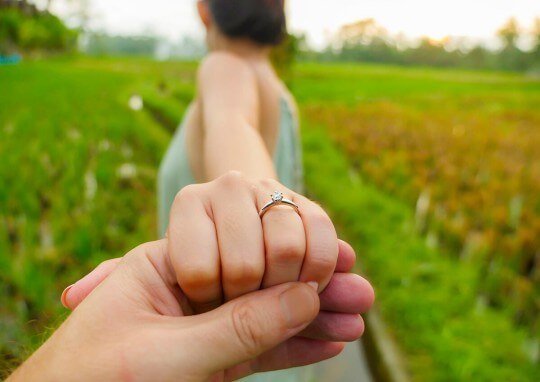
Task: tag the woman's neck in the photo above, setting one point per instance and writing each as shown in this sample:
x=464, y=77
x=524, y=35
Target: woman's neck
x=241, y=47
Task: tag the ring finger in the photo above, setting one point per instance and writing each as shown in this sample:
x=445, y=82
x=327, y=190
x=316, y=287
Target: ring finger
x=284, y=237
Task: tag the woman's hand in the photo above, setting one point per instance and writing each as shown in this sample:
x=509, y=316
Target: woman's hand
x=221, y=249
x=133, y=327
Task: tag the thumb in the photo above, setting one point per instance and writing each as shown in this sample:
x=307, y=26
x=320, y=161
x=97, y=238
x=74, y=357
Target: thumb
x=74, y=294
x=246, y=327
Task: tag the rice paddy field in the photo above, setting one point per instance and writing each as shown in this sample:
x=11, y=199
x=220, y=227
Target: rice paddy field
x=433, y=175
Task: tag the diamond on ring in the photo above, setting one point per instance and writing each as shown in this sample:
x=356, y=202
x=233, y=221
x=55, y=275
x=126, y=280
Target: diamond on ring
x=277, y=196
x=278, y=199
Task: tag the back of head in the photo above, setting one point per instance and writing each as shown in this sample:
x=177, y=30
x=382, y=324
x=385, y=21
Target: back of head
x=261, y=21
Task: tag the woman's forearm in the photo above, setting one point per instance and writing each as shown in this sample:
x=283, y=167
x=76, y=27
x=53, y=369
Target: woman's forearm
x=229, y=100
x=238, y=147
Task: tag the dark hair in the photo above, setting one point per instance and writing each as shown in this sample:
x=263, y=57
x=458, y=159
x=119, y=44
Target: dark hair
x=262, y=21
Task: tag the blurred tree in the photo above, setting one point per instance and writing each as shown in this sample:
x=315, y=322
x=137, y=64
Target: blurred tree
x=431, y=52
x=21, y=32
x=511, y=57
x=478, y=57
x=536, y=34
x=367, y=41
x=363, y=32
x=509, y=33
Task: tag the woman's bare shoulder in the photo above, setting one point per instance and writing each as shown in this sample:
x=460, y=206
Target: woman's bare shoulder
x=226, y=65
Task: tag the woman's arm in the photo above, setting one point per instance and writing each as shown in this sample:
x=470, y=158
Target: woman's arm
x=229, y=100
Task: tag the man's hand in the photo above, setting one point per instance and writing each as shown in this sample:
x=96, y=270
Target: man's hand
x=133, y=327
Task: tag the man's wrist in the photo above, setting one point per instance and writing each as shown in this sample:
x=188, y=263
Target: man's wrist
x=53, y=361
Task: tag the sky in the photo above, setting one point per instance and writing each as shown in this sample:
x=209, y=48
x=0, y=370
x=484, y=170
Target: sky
x=319, y=19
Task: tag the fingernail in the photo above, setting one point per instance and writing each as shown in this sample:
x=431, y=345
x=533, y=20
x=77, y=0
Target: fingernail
x=314, y=285
x=298, y=305
x=63, y=298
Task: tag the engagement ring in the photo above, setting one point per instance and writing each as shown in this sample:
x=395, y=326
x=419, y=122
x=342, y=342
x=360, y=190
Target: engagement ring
x=278, y=199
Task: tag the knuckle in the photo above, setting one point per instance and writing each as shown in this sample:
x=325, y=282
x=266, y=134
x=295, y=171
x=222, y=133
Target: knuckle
x=286, y=251
x=324, y=261
x=136, y=255
x=245, y=273
x=248, y=328
x=186, y=194
x=232, y=179
x=192, y=279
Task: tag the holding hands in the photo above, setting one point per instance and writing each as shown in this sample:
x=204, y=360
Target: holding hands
x=191, y=307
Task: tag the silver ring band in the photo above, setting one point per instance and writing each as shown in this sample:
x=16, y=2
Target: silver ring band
x=278, y=199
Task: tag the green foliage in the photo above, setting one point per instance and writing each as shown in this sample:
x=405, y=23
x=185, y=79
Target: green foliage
x=30, y=33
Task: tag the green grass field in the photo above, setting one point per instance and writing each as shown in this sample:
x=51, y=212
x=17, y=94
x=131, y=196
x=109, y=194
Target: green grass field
x=78, y=174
